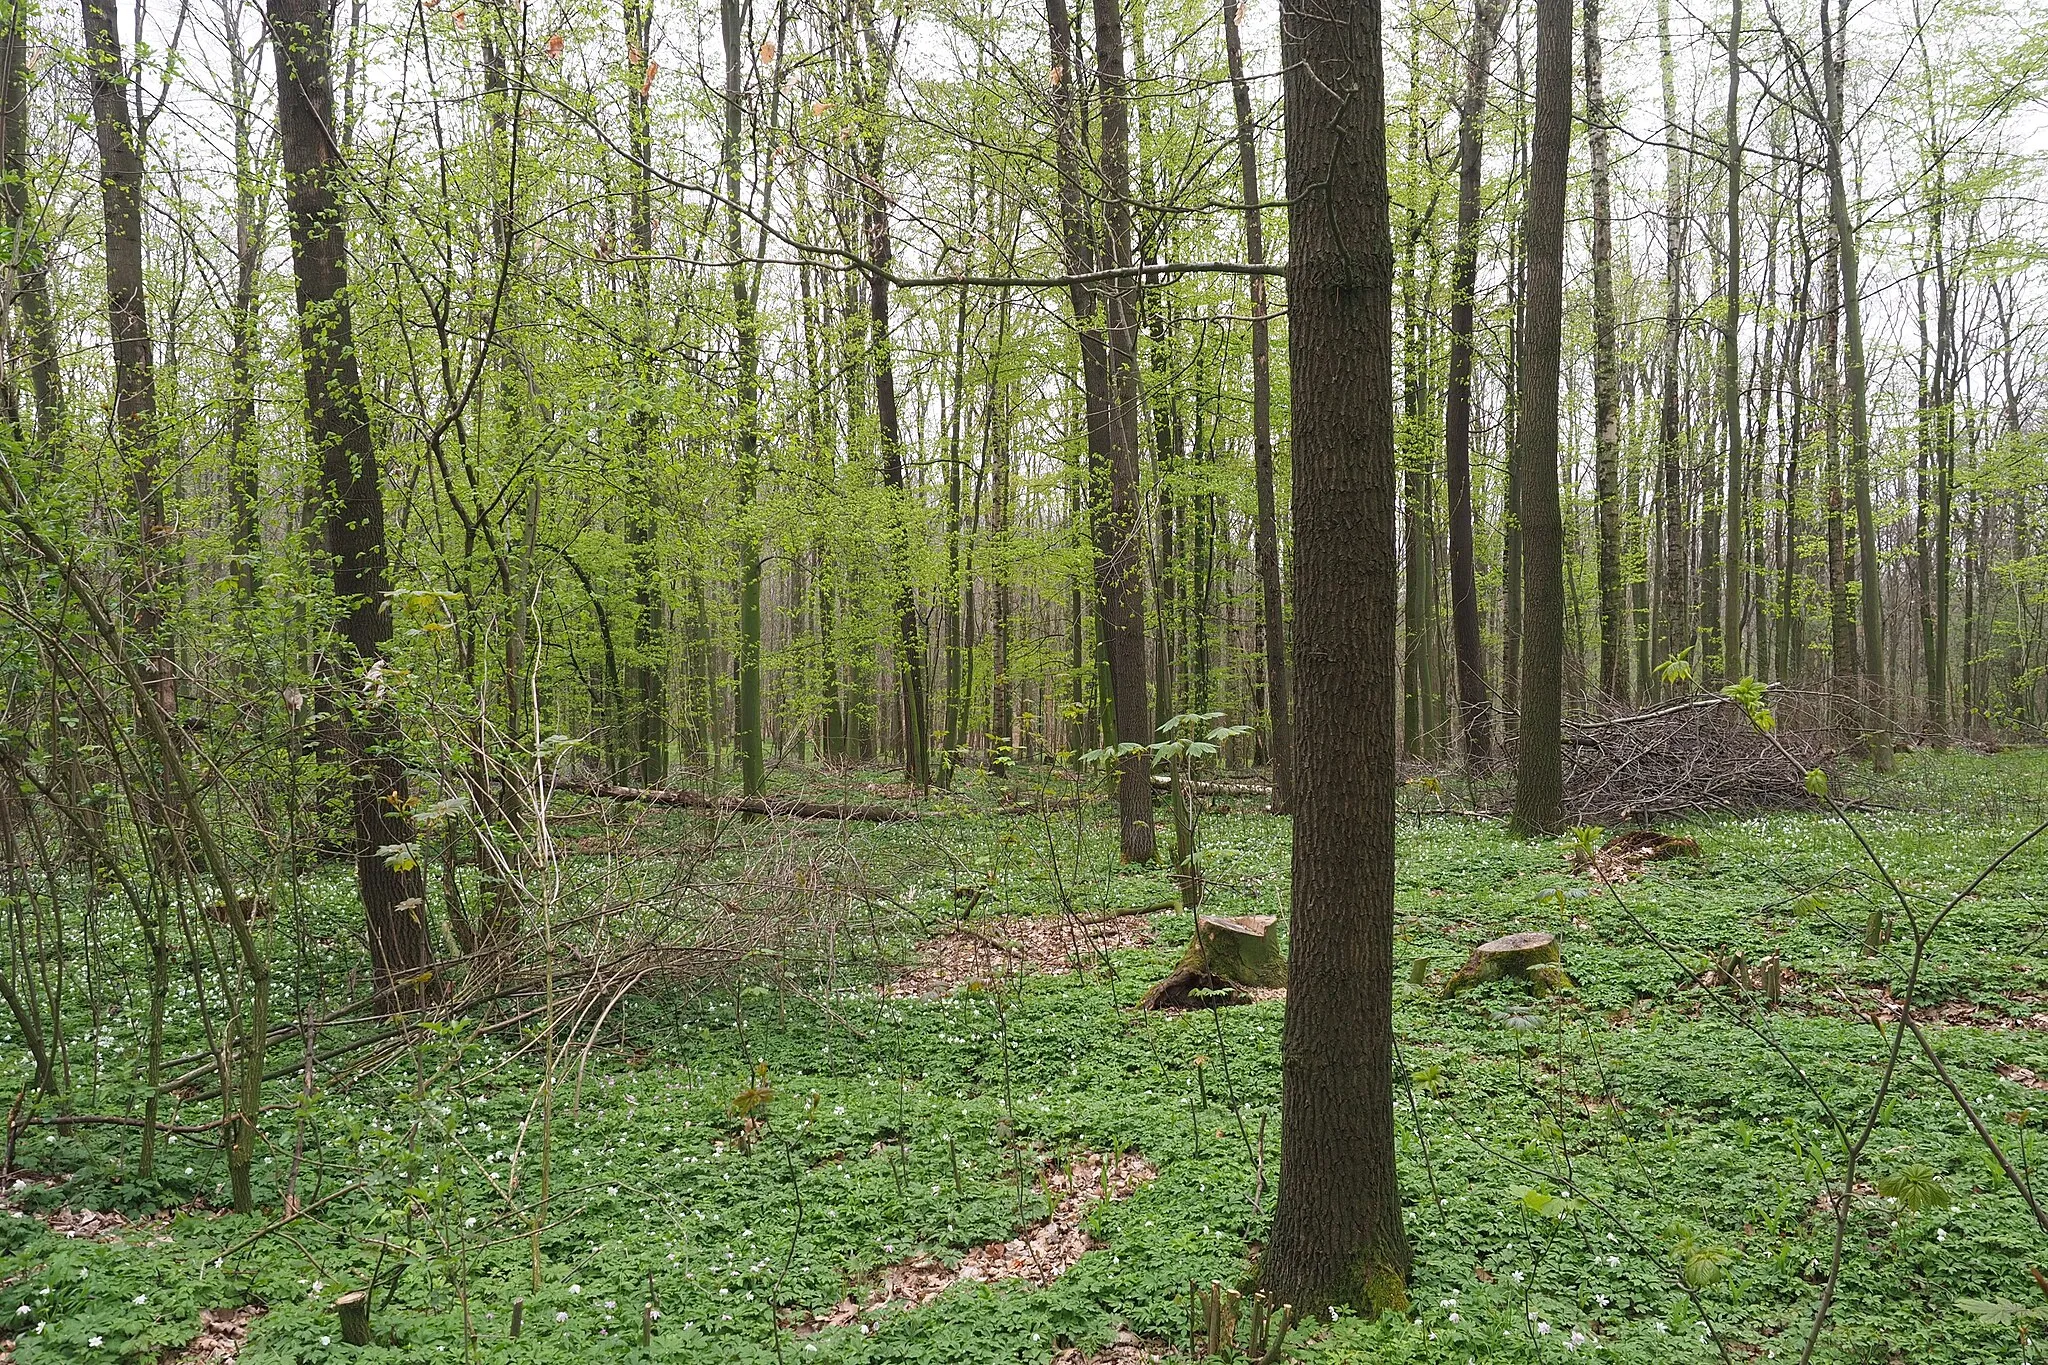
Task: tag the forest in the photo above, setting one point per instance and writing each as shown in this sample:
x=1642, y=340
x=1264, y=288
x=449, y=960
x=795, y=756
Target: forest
x=958, y=681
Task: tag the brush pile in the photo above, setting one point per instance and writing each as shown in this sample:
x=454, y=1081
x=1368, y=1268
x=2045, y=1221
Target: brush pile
x=1690, y=757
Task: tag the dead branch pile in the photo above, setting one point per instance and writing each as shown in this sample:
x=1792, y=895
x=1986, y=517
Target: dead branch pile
x=793, y=807
x=1689, y=757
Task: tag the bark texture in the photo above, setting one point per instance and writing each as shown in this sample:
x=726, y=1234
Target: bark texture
x=1539, y=774
x=1337, y=1235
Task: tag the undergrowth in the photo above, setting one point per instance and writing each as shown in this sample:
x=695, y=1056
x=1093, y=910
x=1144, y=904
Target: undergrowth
x=1640, y=1169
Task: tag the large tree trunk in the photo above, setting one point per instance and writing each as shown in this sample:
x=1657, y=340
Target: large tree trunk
x=1337, y=1234
x=1606, y=380
x=338, y=427
x=1266, y=529
x=1475, y=712
x=1539, y=775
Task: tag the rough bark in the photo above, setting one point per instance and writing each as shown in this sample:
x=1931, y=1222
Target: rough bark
x=1539, y=775
x=1337, y=1235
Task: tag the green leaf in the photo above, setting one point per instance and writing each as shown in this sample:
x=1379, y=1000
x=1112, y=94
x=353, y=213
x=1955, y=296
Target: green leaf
x=1999, y=1312
x=1816, y=783
x=1916, y=1187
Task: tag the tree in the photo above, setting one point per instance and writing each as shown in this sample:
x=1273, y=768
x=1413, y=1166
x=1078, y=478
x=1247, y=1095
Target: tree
x=1606, y=378
x=1539, y=775
x=1266, y=530
x=1730, y=608
x=1475, y=711
x=360, y=726
x=1877, y=720
x=1337, y=1235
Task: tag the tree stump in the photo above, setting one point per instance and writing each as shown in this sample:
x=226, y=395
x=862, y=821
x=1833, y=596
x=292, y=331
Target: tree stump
x=1226, y=952
x=1530, y=958
x=354, y=1311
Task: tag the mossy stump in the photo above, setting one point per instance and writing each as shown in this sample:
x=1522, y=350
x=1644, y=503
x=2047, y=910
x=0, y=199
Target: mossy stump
x=1226, y=952
x=1530, y=958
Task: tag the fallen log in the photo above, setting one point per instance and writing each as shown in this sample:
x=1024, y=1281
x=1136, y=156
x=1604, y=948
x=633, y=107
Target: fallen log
x=743, y=805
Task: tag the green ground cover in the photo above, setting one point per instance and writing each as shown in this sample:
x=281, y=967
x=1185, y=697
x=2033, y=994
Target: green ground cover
x=1645, y=1169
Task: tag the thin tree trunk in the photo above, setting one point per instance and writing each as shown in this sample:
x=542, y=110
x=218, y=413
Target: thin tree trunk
x=1674, y=618
x=1266, y=529
x=1606, y=380
x=1730, y=608
x=748, y=724
x=1877, y=718
x=1475, y=710
x=646, y=700
x=388, y=878
x=1119, y=572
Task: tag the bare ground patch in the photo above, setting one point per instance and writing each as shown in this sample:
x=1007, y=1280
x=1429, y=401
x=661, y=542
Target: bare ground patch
x=1038, y=1255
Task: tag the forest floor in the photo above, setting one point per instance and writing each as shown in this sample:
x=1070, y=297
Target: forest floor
x=974, y=1148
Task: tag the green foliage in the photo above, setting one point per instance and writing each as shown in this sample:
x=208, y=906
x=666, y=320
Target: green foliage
x=1604, y=1159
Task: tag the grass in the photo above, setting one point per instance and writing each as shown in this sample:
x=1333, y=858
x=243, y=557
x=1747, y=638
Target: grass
x=1628, y=1172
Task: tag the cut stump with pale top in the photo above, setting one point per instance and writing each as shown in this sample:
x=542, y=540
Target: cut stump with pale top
x=1226, y=952
x=1531, y=958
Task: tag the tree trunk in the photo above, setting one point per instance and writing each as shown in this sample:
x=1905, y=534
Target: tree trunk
x=748, y=736
x=1119, y=572
x=1539, y=775
x=1475, y=710
x=25, y=255
x=1266, y=529
x=1606, y=380
x=387, y=873
x=1877, y=718
x=1730, y=607
x=1673, y=617
x=646, y=700
x=135, y=421
x=1337, y=1235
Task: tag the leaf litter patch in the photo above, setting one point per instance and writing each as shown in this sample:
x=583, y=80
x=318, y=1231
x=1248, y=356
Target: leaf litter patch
x=222, y=1334
x=1038, y=1255
x=1021, y=945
